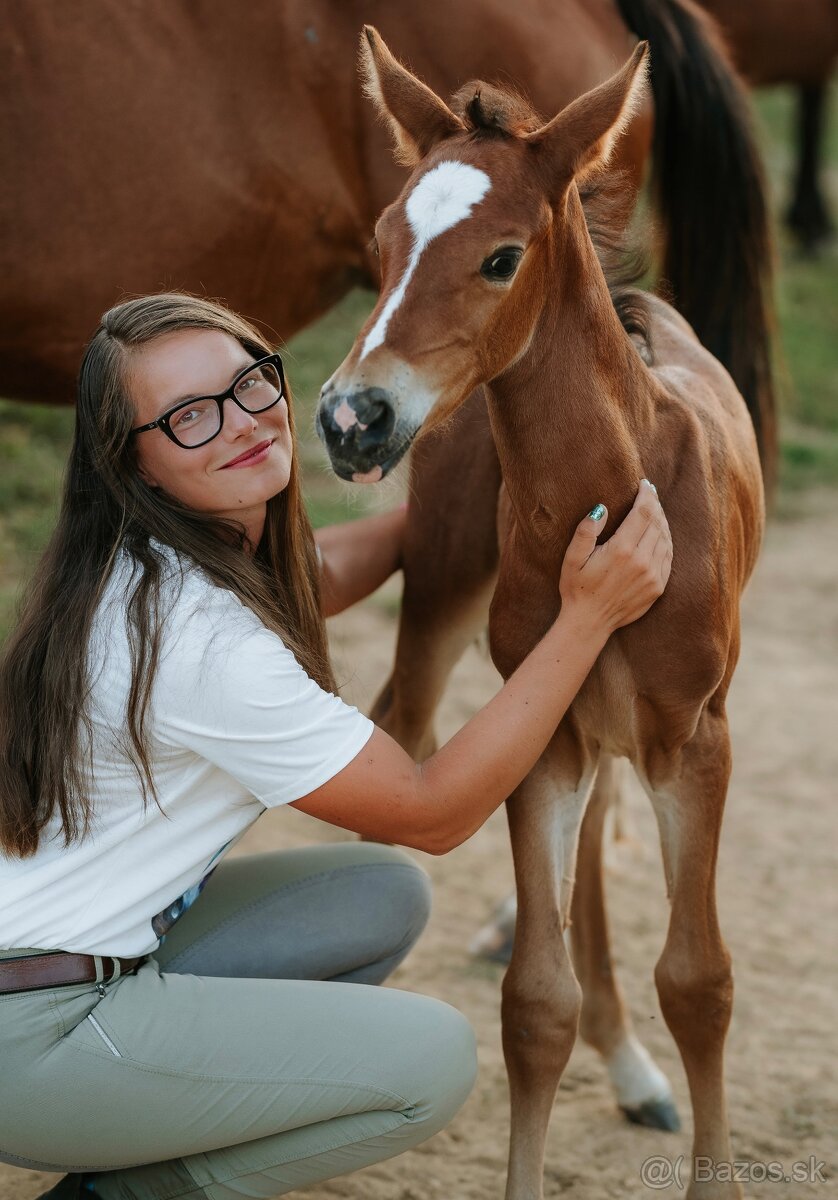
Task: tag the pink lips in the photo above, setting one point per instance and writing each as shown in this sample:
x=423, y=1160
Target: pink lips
x=250, y=457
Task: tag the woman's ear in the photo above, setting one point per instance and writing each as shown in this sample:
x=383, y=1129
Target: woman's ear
x=418, y=119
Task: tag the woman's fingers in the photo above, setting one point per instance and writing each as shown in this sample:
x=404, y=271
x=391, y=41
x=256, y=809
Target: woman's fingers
x=649, y=538
x=617, y=582
x=645, y=512
x=584, y=540
x=656, y=544
x=663, y=557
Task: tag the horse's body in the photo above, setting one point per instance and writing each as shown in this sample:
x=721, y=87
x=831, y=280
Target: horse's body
x=169, y=144
x=577, y=413
x=780, y=41
x=796, y=42
x=177, y=145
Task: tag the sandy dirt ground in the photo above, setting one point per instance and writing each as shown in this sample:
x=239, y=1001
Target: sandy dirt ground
x=778, y=893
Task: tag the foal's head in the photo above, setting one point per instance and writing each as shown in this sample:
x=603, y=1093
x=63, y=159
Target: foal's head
x=466, y=250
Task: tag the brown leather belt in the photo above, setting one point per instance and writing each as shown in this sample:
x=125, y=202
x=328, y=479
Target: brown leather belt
x=61, y=970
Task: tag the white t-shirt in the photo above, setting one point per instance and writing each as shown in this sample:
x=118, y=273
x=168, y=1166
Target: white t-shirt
x=236, y=726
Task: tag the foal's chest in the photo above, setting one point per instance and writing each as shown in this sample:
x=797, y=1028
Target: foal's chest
x=606, y=708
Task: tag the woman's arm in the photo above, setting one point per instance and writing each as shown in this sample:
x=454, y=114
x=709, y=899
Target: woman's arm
x=436, y=805
x=357, y=557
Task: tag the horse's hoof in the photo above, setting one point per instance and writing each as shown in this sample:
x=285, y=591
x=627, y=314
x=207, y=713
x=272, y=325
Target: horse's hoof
x=655, y=1114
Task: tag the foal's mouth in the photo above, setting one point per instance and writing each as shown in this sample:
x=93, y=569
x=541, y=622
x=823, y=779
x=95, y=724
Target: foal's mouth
x=371, y=469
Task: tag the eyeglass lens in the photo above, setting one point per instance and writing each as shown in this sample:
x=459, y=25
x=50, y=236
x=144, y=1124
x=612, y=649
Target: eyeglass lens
x=200, y=421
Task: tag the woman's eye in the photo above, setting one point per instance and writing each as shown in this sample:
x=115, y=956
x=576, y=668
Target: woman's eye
x=503, y=264
x=186, y=416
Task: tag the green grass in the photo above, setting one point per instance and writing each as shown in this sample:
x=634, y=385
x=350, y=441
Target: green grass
x=34, y=439
x=807, y=310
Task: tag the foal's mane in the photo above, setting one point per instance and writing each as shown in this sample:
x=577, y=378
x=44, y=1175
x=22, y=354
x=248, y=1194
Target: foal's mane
x=608, y=200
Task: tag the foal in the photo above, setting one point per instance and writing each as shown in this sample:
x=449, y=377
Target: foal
x=489, y=276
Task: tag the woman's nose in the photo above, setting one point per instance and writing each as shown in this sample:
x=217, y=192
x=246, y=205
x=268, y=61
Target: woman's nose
x=236, y=420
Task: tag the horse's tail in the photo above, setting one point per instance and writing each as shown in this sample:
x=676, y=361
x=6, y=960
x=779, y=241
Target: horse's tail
x=718, y=258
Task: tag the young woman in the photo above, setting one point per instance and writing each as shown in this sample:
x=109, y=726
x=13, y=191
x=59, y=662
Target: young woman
x=168, y=682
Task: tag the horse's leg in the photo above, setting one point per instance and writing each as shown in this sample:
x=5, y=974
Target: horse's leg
x=693, y=975
x=642, y=1090
x=541, y=997
x=450, y=560
x=808, y=216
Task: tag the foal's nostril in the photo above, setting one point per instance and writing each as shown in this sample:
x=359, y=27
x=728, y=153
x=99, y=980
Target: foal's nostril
x=373, y=407
x=377, y=416
x=363, y=419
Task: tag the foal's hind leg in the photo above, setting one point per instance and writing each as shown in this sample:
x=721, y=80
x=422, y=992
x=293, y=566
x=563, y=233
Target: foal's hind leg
x=693, y=974
x=541, y=997
x=450, y=560
x=642, y=1090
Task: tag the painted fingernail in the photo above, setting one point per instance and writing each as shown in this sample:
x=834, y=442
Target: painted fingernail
x=650, y=484
x=597, y=513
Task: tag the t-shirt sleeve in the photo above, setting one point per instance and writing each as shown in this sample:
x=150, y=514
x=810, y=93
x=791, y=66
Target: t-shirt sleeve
x=229, y=690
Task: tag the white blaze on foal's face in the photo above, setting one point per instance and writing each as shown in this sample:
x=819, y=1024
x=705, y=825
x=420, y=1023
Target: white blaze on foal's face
x=442, y=198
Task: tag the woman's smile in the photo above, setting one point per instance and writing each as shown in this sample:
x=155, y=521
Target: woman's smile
x=250, y=458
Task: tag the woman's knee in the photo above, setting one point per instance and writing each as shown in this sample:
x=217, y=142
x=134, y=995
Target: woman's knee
x=406, y=889
x=391, y=898
x=443, y=1065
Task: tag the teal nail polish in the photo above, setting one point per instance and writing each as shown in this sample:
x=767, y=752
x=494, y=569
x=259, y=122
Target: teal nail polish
x=651, y=485
x=597, y=513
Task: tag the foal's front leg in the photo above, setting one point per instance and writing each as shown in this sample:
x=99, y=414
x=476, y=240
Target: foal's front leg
x=541, y=997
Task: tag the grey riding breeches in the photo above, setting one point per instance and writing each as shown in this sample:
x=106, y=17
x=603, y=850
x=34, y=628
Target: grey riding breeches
x=238, y=1062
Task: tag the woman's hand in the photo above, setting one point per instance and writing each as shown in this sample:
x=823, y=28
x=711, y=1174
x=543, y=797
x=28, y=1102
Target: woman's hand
x=614, y=584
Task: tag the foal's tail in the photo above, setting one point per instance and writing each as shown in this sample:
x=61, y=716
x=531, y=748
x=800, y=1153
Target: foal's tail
x=718, y=258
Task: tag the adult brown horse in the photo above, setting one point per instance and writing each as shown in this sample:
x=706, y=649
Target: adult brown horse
x=171, y=143
x=489, y=275
x=796, y=42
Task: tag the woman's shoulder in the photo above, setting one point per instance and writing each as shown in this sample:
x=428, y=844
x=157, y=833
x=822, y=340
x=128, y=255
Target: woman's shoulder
x=185, y=600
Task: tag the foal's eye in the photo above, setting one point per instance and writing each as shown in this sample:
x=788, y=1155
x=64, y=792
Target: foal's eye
x=502, y=265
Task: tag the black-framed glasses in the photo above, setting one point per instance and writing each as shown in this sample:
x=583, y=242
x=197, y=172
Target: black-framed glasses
x=193, y=423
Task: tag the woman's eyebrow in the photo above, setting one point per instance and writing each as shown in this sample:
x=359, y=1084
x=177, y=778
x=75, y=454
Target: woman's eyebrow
x=203, y=395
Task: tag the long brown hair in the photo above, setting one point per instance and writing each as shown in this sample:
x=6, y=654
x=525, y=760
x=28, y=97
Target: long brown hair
x=107, y=508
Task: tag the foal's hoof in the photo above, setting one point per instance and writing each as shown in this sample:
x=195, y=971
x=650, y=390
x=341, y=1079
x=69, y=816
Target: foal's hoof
x=495, y=940
x=499, y=951
x=655, y=1114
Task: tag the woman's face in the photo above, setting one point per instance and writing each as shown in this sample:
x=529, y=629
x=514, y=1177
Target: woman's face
x=212, y=478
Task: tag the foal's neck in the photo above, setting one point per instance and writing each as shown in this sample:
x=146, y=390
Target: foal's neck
x=571, y=417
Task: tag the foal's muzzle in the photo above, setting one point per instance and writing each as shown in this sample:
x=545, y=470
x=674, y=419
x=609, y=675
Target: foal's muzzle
x=359, y=429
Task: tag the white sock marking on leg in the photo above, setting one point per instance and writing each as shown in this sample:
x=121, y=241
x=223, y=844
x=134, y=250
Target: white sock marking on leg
x=635, y=1076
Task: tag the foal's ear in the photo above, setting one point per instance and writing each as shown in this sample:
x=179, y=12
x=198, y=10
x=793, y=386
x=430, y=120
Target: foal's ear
x=581, y=138
x=417, y=117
